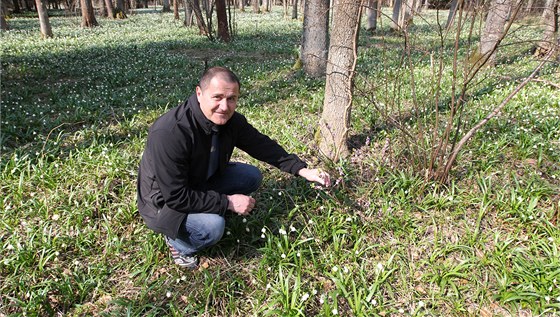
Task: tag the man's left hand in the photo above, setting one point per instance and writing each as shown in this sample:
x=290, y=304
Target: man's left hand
x=316, y=175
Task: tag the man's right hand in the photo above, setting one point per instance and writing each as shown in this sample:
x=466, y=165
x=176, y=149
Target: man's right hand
x=241, y=204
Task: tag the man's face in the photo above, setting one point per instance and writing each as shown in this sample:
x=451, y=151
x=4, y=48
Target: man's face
x=219, y=100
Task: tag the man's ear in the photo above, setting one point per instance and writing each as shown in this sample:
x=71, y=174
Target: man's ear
x=198, y=93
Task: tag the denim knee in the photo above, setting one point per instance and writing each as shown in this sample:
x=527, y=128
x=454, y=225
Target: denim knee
x=204, y=230
x=253, y=179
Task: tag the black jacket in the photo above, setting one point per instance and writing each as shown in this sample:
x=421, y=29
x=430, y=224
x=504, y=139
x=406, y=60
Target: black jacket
x=172, y=173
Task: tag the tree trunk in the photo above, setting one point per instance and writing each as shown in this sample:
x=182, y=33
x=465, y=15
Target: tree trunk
x=335, y=119
x=166, y=6
x=494, y=28
x=176, y=9
x=550, y=23
x=314, y=44
x=451, y=15
x=294, y=9
x=121, y=10
x=223, y=29
x=372, y=11
x=188, y=13
x=195, y=4
x=396, y=13
x=256, y=6
x=46, y=30
x=88, y=17
x=529, y=7
x=110, y=9
x=17, y=8
x=3, y=23
x=242, y=5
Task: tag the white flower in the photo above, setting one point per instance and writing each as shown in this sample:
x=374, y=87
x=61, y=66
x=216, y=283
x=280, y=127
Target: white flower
x=283, y=256
x=335, y=311
x=247, y=229
x=292, y=229
x=263, y=236
x=263, y=230
x=168, y=294
x=55, y=217
x=282, y=231
x=305, y=297
x=334, y=269
x=373, y=302
x=421, y=304
x=244, y=220
x=401, y=310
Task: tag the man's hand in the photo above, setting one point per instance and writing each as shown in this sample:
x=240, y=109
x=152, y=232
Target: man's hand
x=316, y=175
x=241, y=204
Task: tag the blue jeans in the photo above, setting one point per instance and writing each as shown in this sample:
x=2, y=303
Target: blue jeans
x=201, y=230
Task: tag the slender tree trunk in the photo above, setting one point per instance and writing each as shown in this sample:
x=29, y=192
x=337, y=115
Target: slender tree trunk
x=529, y=6
x=242, y=5
x=294, y=9
x=494, y=28
x=335, y=119
x=195, y=4
x=451, y=15
x=314, y=45
x=397, y=6
x=550, y=23
x=256, y=6
x=223, y=29
x=46, y=30
x=372, y=12
x=110, y=9
x=176, y=9
x=188, y=13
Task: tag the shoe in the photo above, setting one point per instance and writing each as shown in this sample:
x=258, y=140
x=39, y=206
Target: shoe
x=185, y=261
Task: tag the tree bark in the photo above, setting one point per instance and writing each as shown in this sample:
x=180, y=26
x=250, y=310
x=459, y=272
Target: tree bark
x=494, y=28
x=223, y=29
x=372, y=11
x=166, y=6
x=121, y=10
x=335, y=119
x=17, y=8
x=46, y=30
x=110, y=9
x=550, y=32
x=314, y=46
x=3, y=22
x=88, y=17
x=451, y=15
x=294, y=9
x=176, y=9
x=256, y=6
x=188, y=13
x=397, y=6
x=195, y=4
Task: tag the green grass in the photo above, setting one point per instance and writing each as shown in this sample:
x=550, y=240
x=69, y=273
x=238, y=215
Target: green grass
x=74, y=117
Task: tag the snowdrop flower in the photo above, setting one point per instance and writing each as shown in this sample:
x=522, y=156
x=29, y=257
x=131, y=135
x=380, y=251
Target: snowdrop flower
x=263, y=236
x=168, y=294
x=292, y=228
x=55, y=217
x=373, y=302
x=283, y=256
x=334, y=269
x=244, y=220
x=263, y=230
x=247, y=229
x=421, y=304
x=282, y=231
x=334, y=311
x=304, y=297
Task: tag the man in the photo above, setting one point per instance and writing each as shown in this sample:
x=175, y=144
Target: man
x=186, y=181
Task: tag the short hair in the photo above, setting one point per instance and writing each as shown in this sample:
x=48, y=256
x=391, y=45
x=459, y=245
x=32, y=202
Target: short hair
x=224, y=74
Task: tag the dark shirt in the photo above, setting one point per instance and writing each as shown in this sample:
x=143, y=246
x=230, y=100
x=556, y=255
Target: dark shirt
x=173, y=170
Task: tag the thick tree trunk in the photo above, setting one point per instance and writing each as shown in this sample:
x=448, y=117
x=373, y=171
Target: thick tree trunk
x=550, y=23
x=3, y=23
x=17, y=8
x=335, y=119
x=256, y=6
x=372, y=11
x=88, y=16
x=110, y=9
x=121, y=9
x=46, y=30
x=314, y=46
x=494, y=28
x=166, y=6
x=223, y=29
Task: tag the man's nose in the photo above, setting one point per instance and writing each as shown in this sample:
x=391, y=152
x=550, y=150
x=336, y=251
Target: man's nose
x=223, y=103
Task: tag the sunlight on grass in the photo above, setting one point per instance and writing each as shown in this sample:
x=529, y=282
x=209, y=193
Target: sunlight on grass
x=75, y=115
